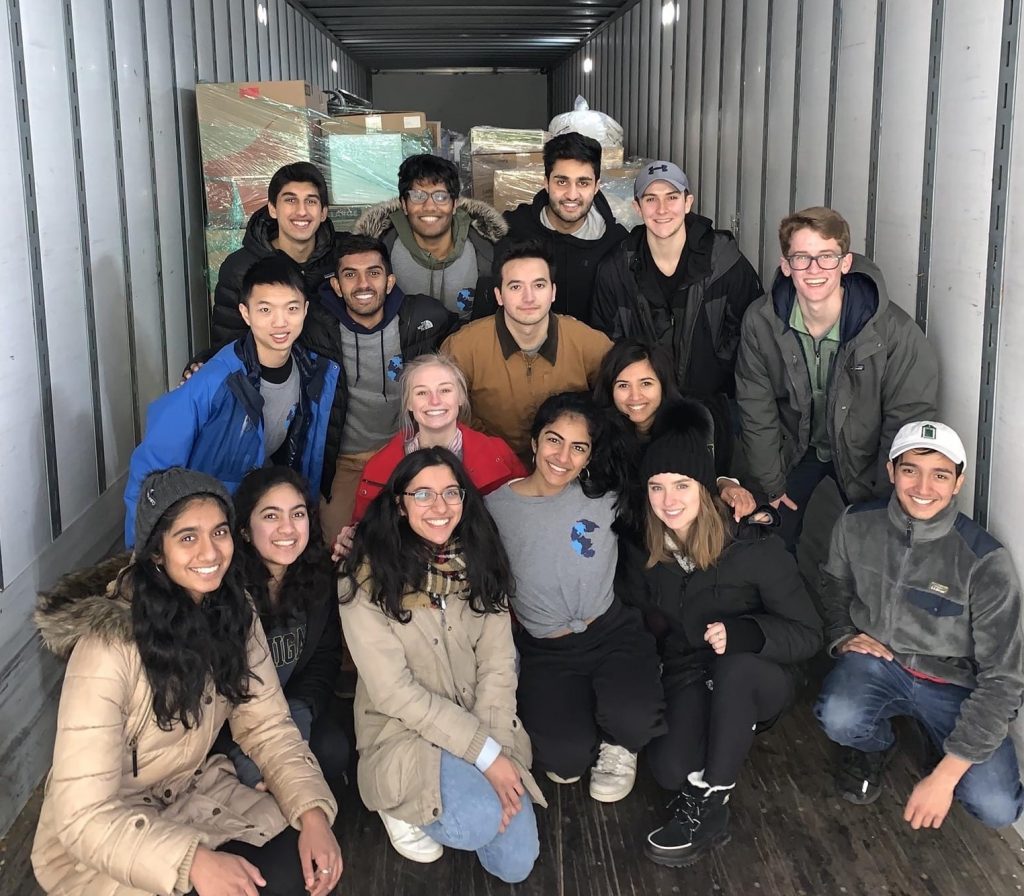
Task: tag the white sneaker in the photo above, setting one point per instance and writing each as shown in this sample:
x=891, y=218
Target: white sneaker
x=410, y=842
x=613, y=775
x=558, y=779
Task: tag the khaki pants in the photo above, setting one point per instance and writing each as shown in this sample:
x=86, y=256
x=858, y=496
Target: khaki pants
x=337, y=512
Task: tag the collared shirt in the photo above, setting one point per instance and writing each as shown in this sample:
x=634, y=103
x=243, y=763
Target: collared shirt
x=818, y=355
x=548, y=349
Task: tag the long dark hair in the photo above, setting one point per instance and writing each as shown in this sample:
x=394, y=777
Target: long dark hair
x=309, y=578
x=619, y=357
x=609, y=467
x=183, y=645
x=397, y=558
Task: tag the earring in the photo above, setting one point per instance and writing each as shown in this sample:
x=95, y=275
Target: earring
x=582, y=477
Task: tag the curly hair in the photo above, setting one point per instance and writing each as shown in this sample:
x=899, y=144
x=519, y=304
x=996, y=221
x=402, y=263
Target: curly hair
x=183, y=645
x=397, y=558
x=309, y=578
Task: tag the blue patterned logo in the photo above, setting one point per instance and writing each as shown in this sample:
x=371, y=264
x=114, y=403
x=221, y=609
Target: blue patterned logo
x=464, y=300
x=395, y=367
x=581, y=544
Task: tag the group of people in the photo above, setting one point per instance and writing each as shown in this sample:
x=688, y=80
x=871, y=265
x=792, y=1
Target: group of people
x=550, y=458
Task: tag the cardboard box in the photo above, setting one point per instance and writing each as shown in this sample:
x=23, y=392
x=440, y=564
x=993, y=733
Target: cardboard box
x=484, y=166
x=514, y=186
x=363, y=168
x=435, y=132
x=487, y=139
x=611, y=157
x=220, y=243
x=246, y=132
x=377, y=123
x=344, y=217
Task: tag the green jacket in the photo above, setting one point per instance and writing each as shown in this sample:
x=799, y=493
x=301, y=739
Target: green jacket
x=885, y=374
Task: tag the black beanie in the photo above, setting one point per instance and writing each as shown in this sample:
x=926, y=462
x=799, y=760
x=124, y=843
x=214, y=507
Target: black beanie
x=683, y=441
x=164, y=488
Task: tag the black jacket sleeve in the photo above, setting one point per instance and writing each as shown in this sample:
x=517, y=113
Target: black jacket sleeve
x=608, y=287
x=227, y=324
x=313, y=682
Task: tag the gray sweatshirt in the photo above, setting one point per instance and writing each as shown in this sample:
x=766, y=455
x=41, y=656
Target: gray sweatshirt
x=563, y=554
x=372, y=362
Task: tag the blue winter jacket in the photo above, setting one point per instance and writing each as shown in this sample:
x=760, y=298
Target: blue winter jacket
x=214, y=423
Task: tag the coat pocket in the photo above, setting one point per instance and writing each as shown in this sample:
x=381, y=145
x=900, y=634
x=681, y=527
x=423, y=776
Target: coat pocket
x=934, y=604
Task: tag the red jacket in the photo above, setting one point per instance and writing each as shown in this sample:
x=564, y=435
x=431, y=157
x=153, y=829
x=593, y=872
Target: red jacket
x=488, y=460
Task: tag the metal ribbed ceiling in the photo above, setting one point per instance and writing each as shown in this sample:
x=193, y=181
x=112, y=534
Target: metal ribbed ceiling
x=403, y=34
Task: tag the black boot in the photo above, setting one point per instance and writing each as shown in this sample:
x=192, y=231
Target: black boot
x=859, y=775
x=699, y=824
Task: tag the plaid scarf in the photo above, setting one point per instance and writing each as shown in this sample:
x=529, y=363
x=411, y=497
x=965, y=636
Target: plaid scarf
x=446, y=574
x=685, y=563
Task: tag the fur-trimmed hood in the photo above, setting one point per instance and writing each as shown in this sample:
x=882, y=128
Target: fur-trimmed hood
x=85, y=602
x=484, y=219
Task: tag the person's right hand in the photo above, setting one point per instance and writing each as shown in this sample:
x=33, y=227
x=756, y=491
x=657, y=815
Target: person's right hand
x=343, y=543
x=507, y=783
x=223, y=874
x=784, y=499
x=861, y=643
x=188, y=371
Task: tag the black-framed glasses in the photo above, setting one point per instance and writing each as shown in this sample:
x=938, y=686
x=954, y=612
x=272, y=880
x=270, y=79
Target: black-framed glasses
x=425, y=497
x=418, y=197
x=827, y=261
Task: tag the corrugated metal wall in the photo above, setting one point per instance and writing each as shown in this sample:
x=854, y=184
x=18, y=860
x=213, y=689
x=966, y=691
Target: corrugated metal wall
x=101, y=263
x=899, y=115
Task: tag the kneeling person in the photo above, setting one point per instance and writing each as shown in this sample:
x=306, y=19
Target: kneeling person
x=923, y=614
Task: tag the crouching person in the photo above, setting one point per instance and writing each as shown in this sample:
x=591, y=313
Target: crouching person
x=424, y=605
x=735, y=617
x=923, y=616
x=158, y=661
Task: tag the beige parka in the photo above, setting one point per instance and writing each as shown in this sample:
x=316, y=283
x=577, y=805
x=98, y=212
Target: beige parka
x=126, y=803
x=445, y=680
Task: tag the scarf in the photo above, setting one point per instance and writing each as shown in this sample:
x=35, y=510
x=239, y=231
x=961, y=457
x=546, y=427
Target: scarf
x=685, y=563
x=446, y=574
x=455, y=446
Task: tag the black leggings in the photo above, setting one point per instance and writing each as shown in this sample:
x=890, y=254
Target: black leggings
x=277, y=860
x=711, y=721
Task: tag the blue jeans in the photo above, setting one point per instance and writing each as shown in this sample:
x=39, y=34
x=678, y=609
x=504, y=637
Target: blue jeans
x=471, y=815
x=862, y=693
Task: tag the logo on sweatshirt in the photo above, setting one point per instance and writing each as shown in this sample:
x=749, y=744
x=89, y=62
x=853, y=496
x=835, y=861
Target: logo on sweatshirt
x=464, y=300
x=395, y=367
x=581, y=544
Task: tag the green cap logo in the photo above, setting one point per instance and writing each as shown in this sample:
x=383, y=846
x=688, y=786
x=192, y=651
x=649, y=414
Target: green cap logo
x=928, y=432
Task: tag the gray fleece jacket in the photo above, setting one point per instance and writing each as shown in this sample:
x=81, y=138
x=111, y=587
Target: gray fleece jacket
x=943, y=595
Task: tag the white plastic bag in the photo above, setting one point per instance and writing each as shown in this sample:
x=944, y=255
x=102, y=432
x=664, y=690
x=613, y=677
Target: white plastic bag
x=584, y=120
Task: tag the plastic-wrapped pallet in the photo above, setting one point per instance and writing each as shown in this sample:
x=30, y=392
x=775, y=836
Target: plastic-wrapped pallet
x=589, y=122
x=493, y=149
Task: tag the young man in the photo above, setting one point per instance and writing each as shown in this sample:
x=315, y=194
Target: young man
x=440, y=245
x=292, y=225
x=519, y=356
x=572, y=218
x=828, y=371
x=260, y=399
x=678, y=282
x=364, y=322
x=923, y=612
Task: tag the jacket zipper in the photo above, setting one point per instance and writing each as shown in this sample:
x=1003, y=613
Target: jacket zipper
x=899, y=578
x=134, y=744
x=444, y=638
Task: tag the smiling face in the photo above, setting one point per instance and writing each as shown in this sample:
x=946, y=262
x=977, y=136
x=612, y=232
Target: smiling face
x=298, y=211
x=562, y=451
x=815, y=288
x=434, y=522
x=429, y=219
x=637, y=394
x=663, y=209
x=571, y=188
x=363, y=283
x=434, y=398
x=275, y=313
x=925, y=483
x=197, y=548
x=279, y=527
x=675, y=500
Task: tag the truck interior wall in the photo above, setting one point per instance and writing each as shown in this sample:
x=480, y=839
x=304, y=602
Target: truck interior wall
x=459, y=101
x=104, y=294
x=900, y=116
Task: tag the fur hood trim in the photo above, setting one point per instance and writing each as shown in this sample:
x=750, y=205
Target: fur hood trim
x=86, y=602
x=484, y=219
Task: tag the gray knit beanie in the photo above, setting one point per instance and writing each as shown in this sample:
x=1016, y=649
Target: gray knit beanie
x=164, y=488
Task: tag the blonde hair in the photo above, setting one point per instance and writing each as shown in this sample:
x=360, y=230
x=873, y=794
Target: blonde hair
x=704, y=542
x=417, y=364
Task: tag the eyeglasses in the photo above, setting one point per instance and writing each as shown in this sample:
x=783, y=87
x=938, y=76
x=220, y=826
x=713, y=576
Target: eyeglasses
x=827, y=261
x=418, y=197
x=425, y=497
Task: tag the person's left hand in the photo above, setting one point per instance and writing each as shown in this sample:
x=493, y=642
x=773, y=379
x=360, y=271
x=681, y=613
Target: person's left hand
x=319, y=853
x=738, y=498
x=929, y=803
x=714, y=634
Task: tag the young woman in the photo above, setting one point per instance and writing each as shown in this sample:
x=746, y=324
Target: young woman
x=424, y=605
x=158, y=662
x=434, y=401
x=636, y=379
x=736, y=616
x=289, y=575
x=589, y=687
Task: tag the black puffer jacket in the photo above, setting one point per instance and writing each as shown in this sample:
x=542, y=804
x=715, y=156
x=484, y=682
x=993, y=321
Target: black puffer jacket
x=701, y=326
x=257, y=244
x=755, y=589
x=423, y=324
x=576, y=260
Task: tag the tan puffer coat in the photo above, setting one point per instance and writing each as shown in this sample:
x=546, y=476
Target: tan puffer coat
x=126, y=803
x=443, y=681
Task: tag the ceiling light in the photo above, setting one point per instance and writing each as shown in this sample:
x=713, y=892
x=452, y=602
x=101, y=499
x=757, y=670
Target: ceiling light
x=334, y=66
x=669, y=13
x=261, y=14
x=588, y=65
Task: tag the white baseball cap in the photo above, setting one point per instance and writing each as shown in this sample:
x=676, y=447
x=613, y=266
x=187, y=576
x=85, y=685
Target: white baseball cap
x=929, y=434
